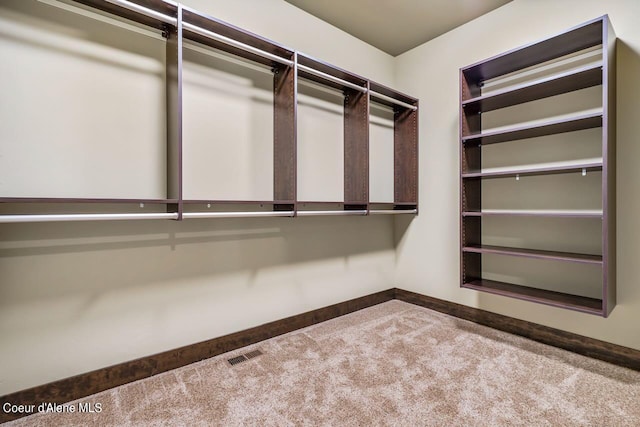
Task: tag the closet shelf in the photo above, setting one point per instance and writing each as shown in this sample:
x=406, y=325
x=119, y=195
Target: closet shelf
x=153, y=13
x=532, y=170
x=570, y=123
x=542, y=296
x=83, y=200
x=576, y=213
x=576, y=79
x=575, y=39
x=534, y=253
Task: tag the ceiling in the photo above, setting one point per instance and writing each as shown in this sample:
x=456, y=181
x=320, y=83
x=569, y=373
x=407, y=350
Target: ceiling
x=396, y=26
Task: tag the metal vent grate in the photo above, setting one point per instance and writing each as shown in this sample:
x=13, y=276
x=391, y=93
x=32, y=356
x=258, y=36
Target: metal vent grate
x=244, y=357
x=236, y=360
x=252, y=354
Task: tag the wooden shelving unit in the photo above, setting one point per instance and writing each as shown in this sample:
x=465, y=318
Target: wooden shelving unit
x=475, y=101
x=178, y=24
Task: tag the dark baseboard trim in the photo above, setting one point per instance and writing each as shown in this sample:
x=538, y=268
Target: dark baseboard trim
x=602, y=350
x=83, y=385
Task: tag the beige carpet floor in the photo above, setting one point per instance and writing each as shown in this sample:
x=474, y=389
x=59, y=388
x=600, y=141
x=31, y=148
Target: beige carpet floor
x=391, y=364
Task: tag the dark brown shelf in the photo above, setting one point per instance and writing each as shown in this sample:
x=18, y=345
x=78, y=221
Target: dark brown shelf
x=580, y=213
x=330, y=70
x=377, y=88
x=534, y=253
x=165, y=8
x=549, y=127
x=572, y=40
x=224, y=29
x=233, y=202
x=552, y=298
x=83, y=200
x=569, y=81
x=532, y=171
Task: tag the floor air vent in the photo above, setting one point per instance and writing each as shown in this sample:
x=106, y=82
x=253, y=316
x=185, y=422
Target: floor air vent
x=244, y=357
x=252, y=354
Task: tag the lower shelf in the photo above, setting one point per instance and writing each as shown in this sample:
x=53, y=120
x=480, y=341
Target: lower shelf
x=552, y=298
x=534, y=253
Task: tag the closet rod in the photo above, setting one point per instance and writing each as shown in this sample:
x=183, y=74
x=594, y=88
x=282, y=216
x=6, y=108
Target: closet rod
x=392, y=212
x=85, y=217
x=145, y=11
x=226, y=40
x=186, y=215
x=331, y=78
x=331, y=213
x=393, y=100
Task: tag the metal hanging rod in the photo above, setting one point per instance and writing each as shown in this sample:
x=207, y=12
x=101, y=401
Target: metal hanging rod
x=331, y=213
x=393, y=100
x=237, y=214
x=85, y=217
x=235, y=43
x=331, y=78
x=392, y=212
x=144, y=11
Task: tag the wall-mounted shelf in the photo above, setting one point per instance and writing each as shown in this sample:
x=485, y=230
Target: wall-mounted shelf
x=533, y=129
x=580, y=166
x=534, y=253
x=183, y=28
x=558, y=213
x=512, y=80
x=576, y=79
x=542, y=296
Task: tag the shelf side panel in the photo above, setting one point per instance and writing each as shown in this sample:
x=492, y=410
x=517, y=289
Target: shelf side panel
x=405, y=143
x=284, y=138
x=174, y=112
x=609, y=166
x=356, y=147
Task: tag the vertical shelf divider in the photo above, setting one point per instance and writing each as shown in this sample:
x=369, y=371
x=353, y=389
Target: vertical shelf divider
x=356, y=149
x=284, y=136
x=174, y=114
x=405, y=147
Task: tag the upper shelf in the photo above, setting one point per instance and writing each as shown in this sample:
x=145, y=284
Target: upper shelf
x=576, y=79
x=153, y=13
x=569, y=123
x=320, y=72
x=386, y=96
x=570, y=41
x=220, y=35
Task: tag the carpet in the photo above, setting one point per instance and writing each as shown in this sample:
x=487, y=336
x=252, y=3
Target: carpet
x=393, y=364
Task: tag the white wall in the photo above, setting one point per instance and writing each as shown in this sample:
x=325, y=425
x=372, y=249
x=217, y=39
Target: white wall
x=80, y=296
x=428, y=248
